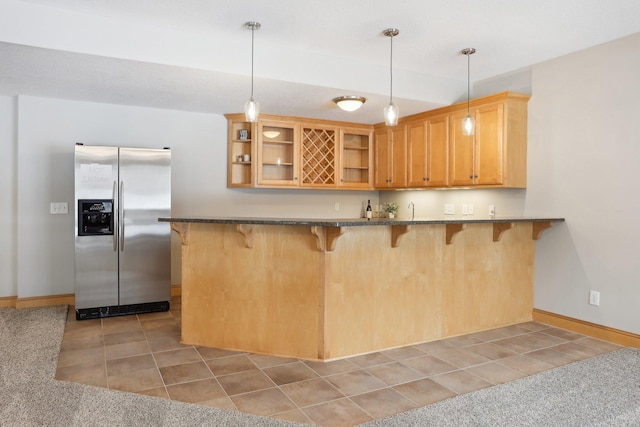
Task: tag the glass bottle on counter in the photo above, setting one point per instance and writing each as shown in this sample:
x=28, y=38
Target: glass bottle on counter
x=369, y=211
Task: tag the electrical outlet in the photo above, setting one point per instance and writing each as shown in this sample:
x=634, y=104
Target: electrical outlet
x=465, y=209
x=56, y=208
x=449, y=209
x=492, y=210
x=594, y=298
x=470, y=209
x=336, y=206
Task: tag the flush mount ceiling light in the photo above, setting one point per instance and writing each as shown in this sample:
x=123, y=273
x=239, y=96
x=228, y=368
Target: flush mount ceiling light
x=467, y=123
x=251, y=107
x=391, y=111
x=350, y=102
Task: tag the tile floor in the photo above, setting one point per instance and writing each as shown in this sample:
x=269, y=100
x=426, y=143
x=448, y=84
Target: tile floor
x=143, y=354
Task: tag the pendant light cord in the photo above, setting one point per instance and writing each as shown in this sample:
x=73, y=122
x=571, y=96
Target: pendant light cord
x=253, y=30
x=468, y=83
x=391, y=72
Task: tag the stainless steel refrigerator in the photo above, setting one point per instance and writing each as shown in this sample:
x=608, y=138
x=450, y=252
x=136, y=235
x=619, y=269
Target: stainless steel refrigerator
x=122, y=252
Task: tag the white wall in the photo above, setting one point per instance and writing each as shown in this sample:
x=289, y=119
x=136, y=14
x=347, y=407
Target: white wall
x=8, y=172
x=47, y=131
x=583, y=153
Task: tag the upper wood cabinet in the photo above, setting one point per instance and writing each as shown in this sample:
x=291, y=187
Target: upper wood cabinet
x=278, y=147
x=390, y=157
x=495, y=155
x=356, y=155
x=427, y=152
x=319, y=155
x=298, y=153
x=240, y=152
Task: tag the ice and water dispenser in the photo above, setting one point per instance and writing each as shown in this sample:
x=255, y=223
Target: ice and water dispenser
x=95, y=217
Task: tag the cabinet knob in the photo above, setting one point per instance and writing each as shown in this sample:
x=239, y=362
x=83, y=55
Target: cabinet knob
x=470, y=176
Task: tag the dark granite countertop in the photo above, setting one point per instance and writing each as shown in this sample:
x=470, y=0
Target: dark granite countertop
x=355, y=222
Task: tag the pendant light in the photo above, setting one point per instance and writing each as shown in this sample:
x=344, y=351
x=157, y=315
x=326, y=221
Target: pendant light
x=467, y=123
x=391, y=111
x=251, y=107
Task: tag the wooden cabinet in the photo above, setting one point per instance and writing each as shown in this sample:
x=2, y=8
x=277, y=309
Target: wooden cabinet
x=319, y=155
x=390, y=157
x=356, y=158
x=278, y=145
x=298, y=153
x=427, y=152
x=495, y=155
x=241, y=152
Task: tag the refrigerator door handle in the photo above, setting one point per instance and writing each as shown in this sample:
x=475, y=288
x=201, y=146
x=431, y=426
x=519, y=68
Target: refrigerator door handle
x=115, y=219
x=121, y=209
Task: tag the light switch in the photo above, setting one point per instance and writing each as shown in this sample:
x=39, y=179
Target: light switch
x=59, y=208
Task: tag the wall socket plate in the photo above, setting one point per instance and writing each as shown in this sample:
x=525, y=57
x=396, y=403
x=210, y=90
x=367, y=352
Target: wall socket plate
x=594, y=298
x=449, y=209
x=56, y=208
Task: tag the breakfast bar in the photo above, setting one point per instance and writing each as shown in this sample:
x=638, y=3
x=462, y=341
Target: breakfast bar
x=324, y=289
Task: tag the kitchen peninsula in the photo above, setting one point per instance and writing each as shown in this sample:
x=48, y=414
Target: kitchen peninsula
x=326, y=289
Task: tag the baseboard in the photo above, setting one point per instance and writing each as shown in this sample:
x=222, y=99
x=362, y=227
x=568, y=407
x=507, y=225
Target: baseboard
x=65, y=299
x=594, y=330
x=8, y=302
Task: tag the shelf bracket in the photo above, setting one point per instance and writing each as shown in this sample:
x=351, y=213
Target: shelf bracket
x=247, y=232
x=499, y=228
x=182, y=228
x=397, y=231
x=538, y=227
x=326, y=237
x=452, y=230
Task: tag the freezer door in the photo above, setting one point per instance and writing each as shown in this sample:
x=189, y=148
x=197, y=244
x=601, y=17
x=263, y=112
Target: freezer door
x=96, y=256
x=145, y=243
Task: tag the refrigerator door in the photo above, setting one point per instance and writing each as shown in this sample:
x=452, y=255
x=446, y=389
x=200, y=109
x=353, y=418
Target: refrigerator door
x=144, y=243
x=96, y=274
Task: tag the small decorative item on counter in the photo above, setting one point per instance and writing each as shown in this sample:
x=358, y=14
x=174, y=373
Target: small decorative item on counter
x=391, y=208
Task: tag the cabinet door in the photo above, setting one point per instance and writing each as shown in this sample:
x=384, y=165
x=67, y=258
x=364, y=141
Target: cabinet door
x=417, y=154
x=438, y=152
x=461, y=152
x=383, y=152
x=399, y=157
x=318, y=156
x=278, y=153
x=355, y=158
x=489, y=145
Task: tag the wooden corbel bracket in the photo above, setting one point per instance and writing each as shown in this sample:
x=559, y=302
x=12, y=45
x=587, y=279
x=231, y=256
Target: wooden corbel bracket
x=182, y=228
x=452, y=230
x=326, y=237
x=397, y=231
x=499, y=228
x=247, y=232
x=538, y=227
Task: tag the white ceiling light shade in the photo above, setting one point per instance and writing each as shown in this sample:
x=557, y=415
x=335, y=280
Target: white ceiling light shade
x=350, y=102
x=251, y=107
x=467, y=124
x=391, y=111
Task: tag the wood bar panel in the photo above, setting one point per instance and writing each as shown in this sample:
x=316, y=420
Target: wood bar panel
x=285, y=297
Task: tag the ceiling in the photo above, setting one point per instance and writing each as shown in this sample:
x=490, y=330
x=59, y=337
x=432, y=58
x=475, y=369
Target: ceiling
x=195, y=55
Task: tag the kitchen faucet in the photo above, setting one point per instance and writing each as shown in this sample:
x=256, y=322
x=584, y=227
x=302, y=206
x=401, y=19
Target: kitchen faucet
x=413, y=210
